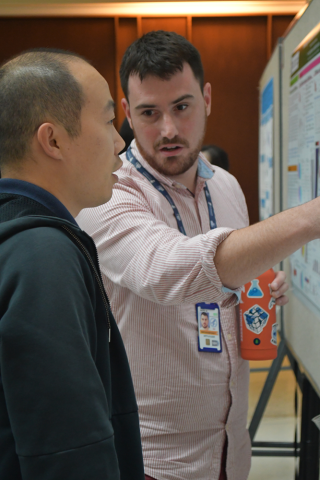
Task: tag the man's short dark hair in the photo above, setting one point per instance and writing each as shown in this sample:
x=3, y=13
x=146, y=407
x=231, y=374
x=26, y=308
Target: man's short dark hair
x=36, y=86
x=205, y=313
x=161, y=54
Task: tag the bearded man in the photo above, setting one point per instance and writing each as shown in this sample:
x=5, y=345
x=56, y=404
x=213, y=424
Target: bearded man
x=174, y=241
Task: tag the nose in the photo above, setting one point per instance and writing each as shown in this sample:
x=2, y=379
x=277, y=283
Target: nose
x=168, y=127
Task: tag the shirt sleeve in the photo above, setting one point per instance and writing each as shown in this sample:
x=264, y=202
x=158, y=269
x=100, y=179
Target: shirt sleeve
x=57, y=407
x=142, y=253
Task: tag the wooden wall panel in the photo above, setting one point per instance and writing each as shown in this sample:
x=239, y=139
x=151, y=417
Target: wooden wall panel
x=279, y=25
x=126, y=33
x=169, y=24
x=92, y=37
x=234, y=54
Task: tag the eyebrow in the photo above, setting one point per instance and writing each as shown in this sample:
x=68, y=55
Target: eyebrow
x=148, y=105
x=109, y=106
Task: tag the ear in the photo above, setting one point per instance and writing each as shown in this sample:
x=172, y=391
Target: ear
x=126, y=108
x=207, y=97
x=47, y=136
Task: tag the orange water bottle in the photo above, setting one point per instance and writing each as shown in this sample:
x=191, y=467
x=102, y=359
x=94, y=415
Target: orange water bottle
x=258, y=319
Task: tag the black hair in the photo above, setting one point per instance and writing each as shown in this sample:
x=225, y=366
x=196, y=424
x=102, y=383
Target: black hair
x=161, y=54
x=218, y=156
x=205, y=313
x=37, y=86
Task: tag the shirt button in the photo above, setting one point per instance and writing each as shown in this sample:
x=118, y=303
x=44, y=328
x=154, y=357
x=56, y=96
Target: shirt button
x=227, y=428
x=232, y=383
x=229, y=336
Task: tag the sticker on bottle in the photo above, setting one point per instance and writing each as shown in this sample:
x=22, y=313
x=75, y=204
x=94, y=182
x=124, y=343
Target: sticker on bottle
x=256, y=319
x=274, y=334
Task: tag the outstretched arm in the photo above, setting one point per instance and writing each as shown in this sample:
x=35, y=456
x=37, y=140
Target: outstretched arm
x=155, y=261
x=248, y=252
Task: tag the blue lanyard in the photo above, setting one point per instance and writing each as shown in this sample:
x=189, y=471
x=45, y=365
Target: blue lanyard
x=132, y=159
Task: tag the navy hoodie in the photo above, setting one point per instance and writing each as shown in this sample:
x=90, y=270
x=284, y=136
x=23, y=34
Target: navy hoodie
x=67, y=404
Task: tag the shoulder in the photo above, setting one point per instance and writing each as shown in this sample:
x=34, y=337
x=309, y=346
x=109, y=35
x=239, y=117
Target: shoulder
x=131, y=184
x=227, y=195
x=130, y=194
x=42, y=248
x=41, y=238
x=220, y=178
x=225, y=181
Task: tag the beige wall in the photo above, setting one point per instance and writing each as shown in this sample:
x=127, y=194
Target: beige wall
x=44, y=2
x=98, y=8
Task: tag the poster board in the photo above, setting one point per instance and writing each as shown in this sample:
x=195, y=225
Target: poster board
x=270, y=137
x=303, y=158
x=299, y=174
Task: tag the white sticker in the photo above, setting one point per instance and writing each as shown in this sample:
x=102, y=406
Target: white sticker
x=274, y=334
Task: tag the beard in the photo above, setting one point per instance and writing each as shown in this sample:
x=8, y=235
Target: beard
x=175, y=164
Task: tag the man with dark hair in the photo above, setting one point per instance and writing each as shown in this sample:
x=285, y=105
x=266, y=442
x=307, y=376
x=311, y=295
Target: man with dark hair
x=67, y=405
x=171, y=53
x=180, y=225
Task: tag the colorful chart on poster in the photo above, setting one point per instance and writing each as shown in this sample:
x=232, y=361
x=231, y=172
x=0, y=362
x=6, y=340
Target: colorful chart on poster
x=303, y=158
x=266, y=152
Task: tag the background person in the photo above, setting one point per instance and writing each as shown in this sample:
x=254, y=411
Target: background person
x=67, y=405
x=172, y=261
x=216, y=156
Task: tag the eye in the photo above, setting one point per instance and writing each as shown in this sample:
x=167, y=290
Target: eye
x=110, y=122
x=148, y=113
x=182, y=106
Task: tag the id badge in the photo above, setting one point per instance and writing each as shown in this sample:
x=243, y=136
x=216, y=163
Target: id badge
x=209, y=327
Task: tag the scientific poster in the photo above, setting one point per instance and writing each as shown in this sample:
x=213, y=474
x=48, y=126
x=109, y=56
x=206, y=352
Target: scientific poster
x=303, y=159
x=266, y=152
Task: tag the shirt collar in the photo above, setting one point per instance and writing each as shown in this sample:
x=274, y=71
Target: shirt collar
x=205, y=169
x=38, y=194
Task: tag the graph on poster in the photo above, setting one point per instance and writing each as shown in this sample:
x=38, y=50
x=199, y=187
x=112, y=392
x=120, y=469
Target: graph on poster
x=303, y=157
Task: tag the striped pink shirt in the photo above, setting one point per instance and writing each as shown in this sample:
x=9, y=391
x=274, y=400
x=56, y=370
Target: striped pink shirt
x=154, y=275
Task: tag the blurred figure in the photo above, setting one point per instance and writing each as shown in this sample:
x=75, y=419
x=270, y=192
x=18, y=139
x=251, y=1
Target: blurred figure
x=215, y=155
